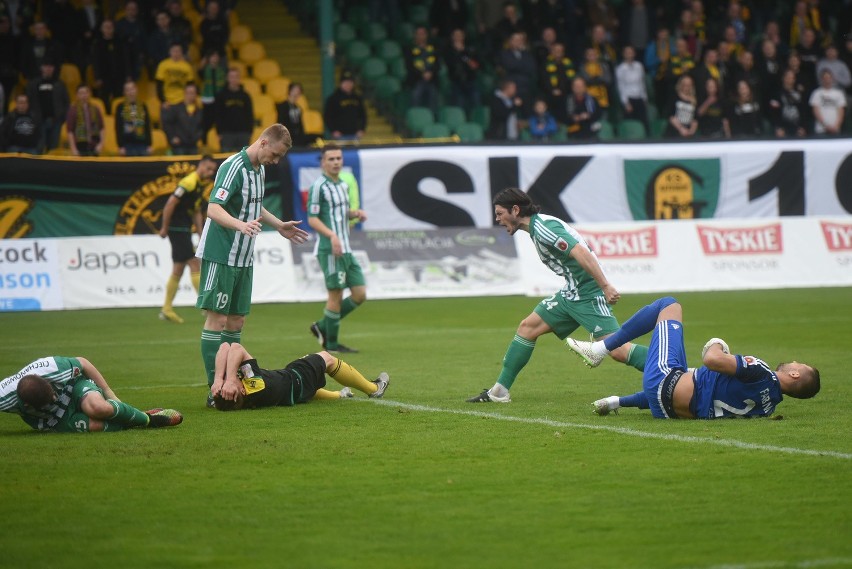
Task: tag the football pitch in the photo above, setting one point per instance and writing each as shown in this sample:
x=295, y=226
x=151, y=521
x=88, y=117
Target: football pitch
x=421, y=478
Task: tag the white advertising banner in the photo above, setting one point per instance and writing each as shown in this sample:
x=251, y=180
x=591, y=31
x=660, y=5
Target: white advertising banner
x=702, y=255
x=446, y=186
x=29, y=275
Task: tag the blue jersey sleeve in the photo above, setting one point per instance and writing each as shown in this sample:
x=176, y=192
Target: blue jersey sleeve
x=751, y=369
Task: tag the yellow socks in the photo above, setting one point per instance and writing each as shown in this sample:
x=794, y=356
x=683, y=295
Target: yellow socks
x=347, y=375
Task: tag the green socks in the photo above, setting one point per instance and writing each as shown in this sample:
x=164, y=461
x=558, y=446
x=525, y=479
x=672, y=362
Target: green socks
x=331, y=328
x=210, y=342
x=127, y=415
x=636, y=357
x=519, y=353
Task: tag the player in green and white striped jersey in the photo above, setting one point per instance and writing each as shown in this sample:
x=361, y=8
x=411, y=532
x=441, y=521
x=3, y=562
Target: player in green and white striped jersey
x=329, y=213
x=64, y=394
x=583, y=301
x=235, y=217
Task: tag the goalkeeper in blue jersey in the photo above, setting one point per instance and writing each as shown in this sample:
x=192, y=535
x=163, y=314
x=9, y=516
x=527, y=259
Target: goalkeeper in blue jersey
x=725, y=386
x=584, y=300
x=64, y=394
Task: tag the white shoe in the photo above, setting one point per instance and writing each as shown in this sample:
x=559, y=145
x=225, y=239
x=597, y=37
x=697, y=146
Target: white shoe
x=584, y=350
x=606, y=405
x=346, y=393
x=382, y=383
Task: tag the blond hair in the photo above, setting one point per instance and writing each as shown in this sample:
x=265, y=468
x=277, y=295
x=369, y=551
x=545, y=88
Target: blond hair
x=278, y=133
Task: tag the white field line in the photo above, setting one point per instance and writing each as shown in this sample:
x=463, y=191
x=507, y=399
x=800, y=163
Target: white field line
x=618, y=430
x=806, y=564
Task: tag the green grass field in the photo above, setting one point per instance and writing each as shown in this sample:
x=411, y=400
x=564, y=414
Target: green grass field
x=421, y=478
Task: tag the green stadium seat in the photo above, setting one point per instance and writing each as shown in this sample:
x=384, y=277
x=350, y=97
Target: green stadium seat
x=397, y=67
x=358, y=16
x=417, y=118
x=436, y=130
x=418, y=14
x=345, y=34
x=357, y=52
x=405, y=33
x=481, y=115
x=452, y=116
x=630, y=129
x=606, y=132
x=388, y=49
x=375, y=32
x=373, y=68
x=470, y=132
x=658, y=127
x=385, y=90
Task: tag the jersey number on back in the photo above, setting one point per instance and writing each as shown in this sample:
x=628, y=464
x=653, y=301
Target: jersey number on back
x=719, y=408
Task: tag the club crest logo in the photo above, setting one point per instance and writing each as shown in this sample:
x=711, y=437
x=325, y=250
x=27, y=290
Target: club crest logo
x=672, y=189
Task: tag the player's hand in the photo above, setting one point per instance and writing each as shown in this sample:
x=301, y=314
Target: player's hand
x=231, y=389
x=290, y=231
x=251, y=228
x=713, y=342
x=611, y=294
x=164, y=232
x=361, y=215
x=336, y=246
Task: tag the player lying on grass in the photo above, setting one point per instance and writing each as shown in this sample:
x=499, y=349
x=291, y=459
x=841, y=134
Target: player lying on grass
x=725, y=386
x=70, y=395
x=239, y=383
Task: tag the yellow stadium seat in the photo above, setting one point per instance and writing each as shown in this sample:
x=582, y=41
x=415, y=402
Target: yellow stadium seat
x=213, y=141
x=114, y=105
x=262, y=106
x=239, y=35
x=251, y=52
x=265, y=70
x=237, y=64
x=233, y=19
x=154, y=106
x=69, y=74
x=159, y=142
x=302, y=101
x=313, y=122
x=99, y=103
x=278, y=88
x=251, y=86
x=110, y=142
x=193, y=54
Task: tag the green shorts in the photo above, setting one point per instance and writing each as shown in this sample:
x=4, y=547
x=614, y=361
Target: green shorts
x=74, y=420
x=225, y=289
x=341, y=272
x=564, y=316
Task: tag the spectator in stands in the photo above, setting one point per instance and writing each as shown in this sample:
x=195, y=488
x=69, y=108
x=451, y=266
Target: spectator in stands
x=183, y=123
x=711, y=111
x=10, y=56
x=132, y=124
x=727, y=65
x=681, y=110
x=488, y=13
x=839, y=69
x=788, y=108
x=63, y=19
x=85, y=125
x=214, y=76
x=699, y=21
x=517, y=64
x=159, y=42
x=90, y=18
x=542, y=125
x=803, y=81
x=745, y=71
x=636, y=26
x=214, y=29
x=604, y=51
x=801, y=21
x=233, y=114
x=686, y=31
x=48, y=99
x=598, y=78
x=21, y=14
x=386, y=11
x=828, y=104
x=735, y=48
x=344, y=113
x=810, y=53
x=131, y=31
x=657, y=56
x=743, y=118
x=510, y=23
x=556, y=74
x=735, y=20
x=543, y=14
x=505, y=105
x=38, y=49
x=681, y=62
x=180, y=27
x=423, y=65
x=772, y=32
x=20, y=130
x=290, y=114
x=630, y=79
x=446, y=16
x=541, y=48
x=768, y=68
x=846, y=56
x=462, y=64
x=707, y=70
x=584, y=114
x=173, y=74
x=110, y=65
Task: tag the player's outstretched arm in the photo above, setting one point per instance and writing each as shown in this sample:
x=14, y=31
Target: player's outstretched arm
x=218, y=214
x=716, y=358
x=287, y=229
x=92, y=373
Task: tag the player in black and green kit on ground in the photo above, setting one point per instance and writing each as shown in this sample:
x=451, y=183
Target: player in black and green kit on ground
x=329, y=213
x=583, y=301
x=234, y=219
x=70, y=395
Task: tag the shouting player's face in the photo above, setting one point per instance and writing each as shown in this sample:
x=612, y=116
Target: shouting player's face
x=507, y=218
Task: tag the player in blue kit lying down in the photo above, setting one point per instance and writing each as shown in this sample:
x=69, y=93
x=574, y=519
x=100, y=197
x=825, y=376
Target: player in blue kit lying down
x=725, y=386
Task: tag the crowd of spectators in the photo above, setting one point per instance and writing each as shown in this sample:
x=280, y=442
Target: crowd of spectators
x=110, y=49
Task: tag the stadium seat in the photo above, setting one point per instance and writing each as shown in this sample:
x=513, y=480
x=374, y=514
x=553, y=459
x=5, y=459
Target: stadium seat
x=313, y=122
x=356, y=53
x=606, y=132
x=251, y=86
x=264, y=109
x=417, y=118
x=265, y=70
x=405, y=33
x=110, y=142
x=251, y=52
x=344, y=35
x=69, y=74
x=470, y=132
x=240, y=35
x=114, y=105
x=384, y=90
x=452, y=116
x=418, y=14
x=237, y=64
x=373, y=68
x=397, y=68
x=658, y=127
x=374, y=32
x=193, y=54
x=278, y=88
x=630, y=129
x=159, y=142
x=212, y=140
x=481, y=115
x=358, y=16
x=436, y=130
x=154, y=107
x=388, y=49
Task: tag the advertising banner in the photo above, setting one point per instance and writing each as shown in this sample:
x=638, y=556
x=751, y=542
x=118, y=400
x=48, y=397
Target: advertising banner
x=29, y=275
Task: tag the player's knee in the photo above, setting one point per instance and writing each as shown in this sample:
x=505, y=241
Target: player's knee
x=96, y=407
x=329, y=359
x=665, y=302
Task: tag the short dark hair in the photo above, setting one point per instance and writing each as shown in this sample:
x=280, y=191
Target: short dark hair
x=223, y=404
x=35, y=391
x=207, y=158
x=516, y=197
x=329, y=148
x=808, y=384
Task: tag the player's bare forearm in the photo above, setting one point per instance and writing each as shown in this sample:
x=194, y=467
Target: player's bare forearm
x=589, y=263
x=218, y=214
x=168, y=210
x=320, y=227
x=287, y=229
x=92, y=373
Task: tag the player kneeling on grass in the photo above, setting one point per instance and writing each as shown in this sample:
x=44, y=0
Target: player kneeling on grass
x=240, y=383
x=725, y=386
x=70, y=395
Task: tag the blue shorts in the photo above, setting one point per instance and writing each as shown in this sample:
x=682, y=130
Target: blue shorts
x=666, y=354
